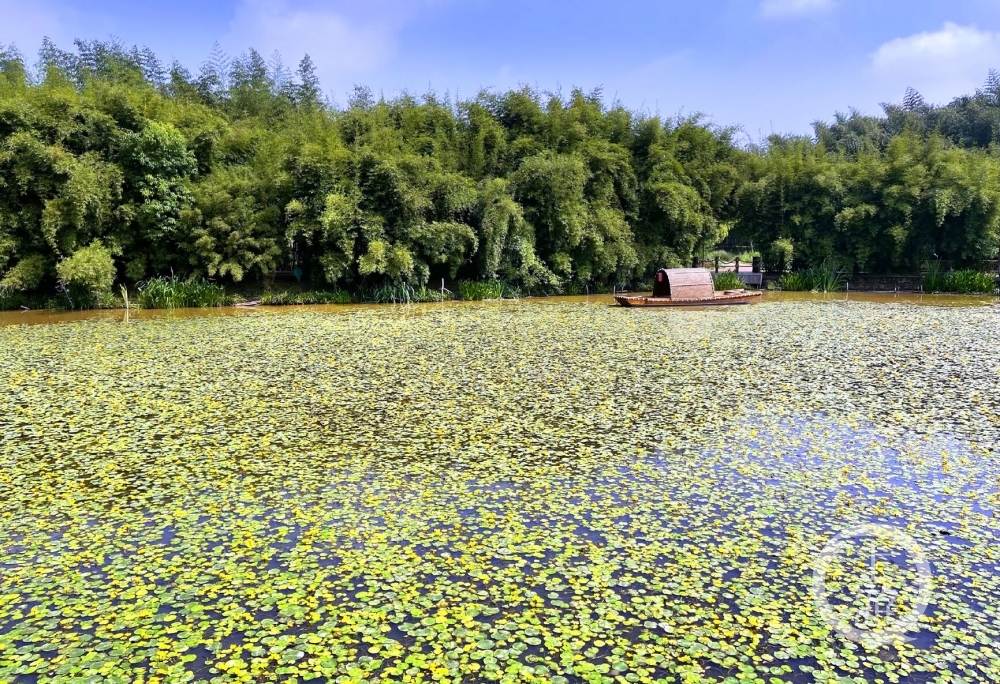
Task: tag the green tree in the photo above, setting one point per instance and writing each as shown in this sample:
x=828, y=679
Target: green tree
x=108, y=157
x=90, y=268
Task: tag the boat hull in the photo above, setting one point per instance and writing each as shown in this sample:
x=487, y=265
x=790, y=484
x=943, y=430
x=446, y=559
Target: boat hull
x=720, y=299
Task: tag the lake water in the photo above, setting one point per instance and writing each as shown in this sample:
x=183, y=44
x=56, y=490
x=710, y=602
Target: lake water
x=29, y=317
x=543, y=490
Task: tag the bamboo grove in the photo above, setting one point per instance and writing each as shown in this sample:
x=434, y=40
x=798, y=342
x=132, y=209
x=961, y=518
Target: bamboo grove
x=115, y=169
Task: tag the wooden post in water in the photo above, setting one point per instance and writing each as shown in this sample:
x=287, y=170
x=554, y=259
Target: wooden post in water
x=737, y=265
x=716, y=264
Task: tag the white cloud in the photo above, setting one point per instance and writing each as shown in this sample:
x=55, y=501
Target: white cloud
x=787, y=8
x=344, y=39
x=940, y=64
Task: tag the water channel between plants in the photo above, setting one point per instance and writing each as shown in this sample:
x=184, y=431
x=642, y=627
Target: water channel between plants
x=540, y=490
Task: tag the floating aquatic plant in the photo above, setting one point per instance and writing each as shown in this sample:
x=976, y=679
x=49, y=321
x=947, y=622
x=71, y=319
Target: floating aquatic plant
x=494, y=492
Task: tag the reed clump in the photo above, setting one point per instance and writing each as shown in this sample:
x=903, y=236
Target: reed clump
x=827, y=277
x=965, y=281
x=177, y=293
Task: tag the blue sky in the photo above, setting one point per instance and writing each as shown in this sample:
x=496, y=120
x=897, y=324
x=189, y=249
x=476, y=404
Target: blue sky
x=766, y=65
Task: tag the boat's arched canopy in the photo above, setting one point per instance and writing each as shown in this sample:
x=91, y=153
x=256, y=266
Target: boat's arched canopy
x=683, y=283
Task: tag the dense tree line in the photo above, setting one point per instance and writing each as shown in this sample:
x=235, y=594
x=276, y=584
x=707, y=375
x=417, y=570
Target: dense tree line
x=114, y=167
x=882, y=194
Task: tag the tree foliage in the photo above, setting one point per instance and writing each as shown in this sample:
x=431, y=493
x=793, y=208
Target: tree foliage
x=246, y=168
x=920, y=199
x=91, y=268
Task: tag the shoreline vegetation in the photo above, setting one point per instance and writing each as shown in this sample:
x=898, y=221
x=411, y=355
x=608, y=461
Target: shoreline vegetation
x=173, y=293
x=119, y=171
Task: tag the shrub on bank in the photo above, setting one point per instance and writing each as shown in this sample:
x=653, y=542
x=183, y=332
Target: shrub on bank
x=91, y=269
x=728, y=280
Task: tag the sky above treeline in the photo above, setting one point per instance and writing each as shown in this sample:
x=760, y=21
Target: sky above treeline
x=765, y=65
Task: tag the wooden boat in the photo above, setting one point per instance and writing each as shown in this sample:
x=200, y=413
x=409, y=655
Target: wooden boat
x=687, y=287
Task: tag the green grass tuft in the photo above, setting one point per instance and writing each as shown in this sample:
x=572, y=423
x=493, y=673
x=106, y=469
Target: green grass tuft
x=175, y=293
x=794, y=282
x=478, y=290
x=826, y=277
x=968, y=281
